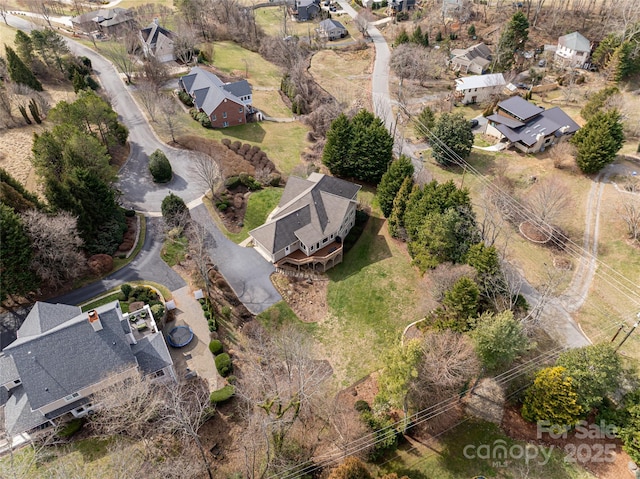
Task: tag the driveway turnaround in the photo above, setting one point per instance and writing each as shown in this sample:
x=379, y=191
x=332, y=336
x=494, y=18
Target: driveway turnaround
x=245, y=270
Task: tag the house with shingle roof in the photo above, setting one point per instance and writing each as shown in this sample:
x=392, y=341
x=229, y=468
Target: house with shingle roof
x=226, y=104
x=109, y=21
x=310, y=222
x=528, y=127
x=475, y=59
x=157, y=42
x=330, y=29
x=62, y=356
x=573, y=51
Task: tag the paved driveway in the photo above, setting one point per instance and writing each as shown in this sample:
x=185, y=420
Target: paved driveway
x=245, y=270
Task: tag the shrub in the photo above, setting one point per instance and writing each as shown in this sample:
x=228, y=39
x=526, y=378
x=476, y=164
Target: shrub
x=222, y=395
x=235, y=146
x=361, y=406
x=174, y=210
x=71, y=427
x=185, y=98
x=232, y=379
x=144, y=294
x=121, y=297
x=232, y=182
x=215, y=346
x=158, y=311
x=212, y=325
x=226, y=142
x=126, y=290
x=160, y=167
x=129, y=213
x=223, y=364
x=226, y=312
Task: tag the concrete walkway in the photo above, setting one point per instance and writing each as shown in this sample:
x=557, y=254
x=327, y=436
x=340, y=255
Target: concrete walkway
x=196, y=355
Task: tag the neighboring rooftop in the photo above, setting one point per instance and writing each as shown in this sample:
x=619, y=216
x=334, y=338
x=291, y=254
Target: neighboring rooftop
x=330, y=23
x=575, y=41
x=480, y=81
x=209, y=91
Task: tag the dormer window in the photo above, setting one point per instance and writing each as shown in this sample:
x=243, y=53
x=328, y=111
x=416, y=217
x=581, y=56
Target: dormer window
x=72, y=397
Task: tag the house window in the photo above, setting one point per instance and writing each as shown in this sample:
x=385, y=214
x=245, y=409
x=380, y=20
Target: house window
x=331, y=235
x=213, y=118
x=325, y=240
x=240, y=109
x=17, y=382
x=72, y=397
x=225, y=124
x=157, y=374
x=224, y=115
x=311, y=248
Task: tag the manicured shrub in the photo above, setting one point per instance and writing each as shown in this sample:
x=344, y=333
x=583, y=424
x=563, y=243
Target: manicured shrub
x=232, y=379
x=226, y=142
x=158, y=311
x=223, y=364
x=222, y=395
x=126, y=290
x=215, y=346
x=185, y=98
x=361, y=406
x=226, y=312
x=232, y=182
x=212, y=325
x=121, y=297
x=160, y=167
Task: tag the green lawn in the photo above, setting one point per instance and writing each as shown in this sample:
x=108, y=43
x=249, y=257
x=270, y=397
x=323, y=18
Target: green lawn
x=270, y=103
x=270, y=19
x=174, y=250
x=445, y=458
x=260, y=204
x=235, y=60
x=280, y=314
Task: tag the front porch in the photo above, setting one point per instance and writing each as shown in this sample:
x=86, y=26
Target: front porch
x=322, y=260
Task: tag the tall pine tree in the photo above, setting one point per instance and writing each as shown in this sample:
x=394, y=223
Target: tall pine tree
x=598, y=142
x=336, y=149
x=391, y=182
x=18, y=71
x=16, y=254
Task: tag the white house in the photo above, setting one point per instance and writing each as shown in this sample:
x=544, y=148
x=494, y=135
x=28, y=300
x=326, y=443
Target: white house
x=479, y=88
x=573, y=51
x=62, y=356
x=310, y=222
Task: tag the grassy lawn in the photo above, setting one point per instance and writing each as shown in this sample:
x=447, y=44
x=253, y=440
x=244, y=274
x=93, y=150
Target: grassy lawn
x=371, y=298
x=270, y=19
x=105, y=300
x=230, y=58
x=113, y=293
x=445, y=458
x=174, y=250
x=7, y=35
x=280, y=314
x=270, y=103
x=346, y=75
x=283, y=142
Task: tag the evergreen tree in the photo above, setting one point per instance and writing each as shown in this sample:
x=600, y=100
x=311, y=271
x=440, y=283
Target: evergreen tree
x=513, y=38
x=403, y=37
x=417, y=36
x=621, y=64
x=174, y=210
x=552, y=398
x=605, y=49
x=391, y=182
x=160, y=167
x=454, y=138
x=16, y=196
x=424, y=123
x=598, y=101
x=18, y=71
x=396, y=219
x=336, y=150
x=400, y=368
x=599, y=141
x=461, y=304
x=16, y=254
x=371, y=150
x=24, y=47
x=499, y=339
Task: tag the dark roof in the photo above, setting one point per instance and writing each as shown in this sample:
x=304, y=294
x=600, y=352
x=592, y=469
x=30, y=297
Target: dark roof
x=547, y=122
x=152, y=353
x=330, y=23
x=18, y=414
x=238, y=88
x=520, y=108
x=285, y=228
x=46, y=316
x=209, y=91
x=67, y=407
x=152, y=32
x=505, y=120
x=72, y=356
x=338, y=187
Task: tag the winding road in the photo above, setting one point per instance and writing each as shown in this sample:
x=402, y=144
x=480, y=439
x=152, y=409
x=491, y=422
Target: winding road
x=247, y=272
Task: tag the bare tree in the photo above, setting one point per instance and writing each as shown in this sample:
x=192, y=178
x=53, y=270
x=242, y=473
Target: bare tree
x=548, y=200
x=121, y=57
x=56, y=245
x=149, y=97
x=168, y=115
x=5, y=107
x=187, y=409
x=200, y=243
x=280, y=382
x=184, y=44
x=561, y=154
x=629, y=212
x=4, y=11
x=414, y=62
x=155, y=72
x=362, y=20
x=209, y=173
x=448, y=362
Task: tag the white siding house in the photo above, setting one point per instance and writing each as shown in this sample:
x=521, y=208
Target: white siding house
x=479, y=88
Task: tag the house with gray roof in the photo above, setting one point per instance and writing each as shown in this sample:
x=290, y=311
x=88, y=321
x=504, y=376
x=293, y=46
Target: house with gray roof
x=110, y=21
x=226, y=104
x=157, y=42
x=475, y=59
x=573, y=51
x=62, y=356
x=306, y=9
x=528, y=127
x=330, y=29
x=309, y=224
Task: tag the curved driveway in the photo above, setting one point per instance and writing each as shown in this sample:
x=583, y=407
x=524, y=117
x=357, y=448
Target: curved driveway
x=245, y=270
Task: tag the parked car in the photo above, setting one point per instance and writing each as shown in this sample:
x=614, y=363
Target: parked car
x=473, y=123
x=542, y=63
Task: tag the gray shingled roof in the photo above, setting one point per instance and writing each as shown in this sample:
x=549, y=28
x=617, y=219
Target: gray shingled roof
x=330, y=24
x=152, y=32
x=520, y=108
x=504, y=120
x=575, y=41
x=545, y=123
x=210, y=91
x=67, y=407
x=8, y=371
x=313, y=208
x=46, y=316
x=71, y=356
x=152, y=353
x=18, y=416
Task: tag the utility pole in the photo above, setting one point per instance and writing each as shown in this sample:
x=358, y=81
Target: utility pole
x=628, y=334
x=617, y=332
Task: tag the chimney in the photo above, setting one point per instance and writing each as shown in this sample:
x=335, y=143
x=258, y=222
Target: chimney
x=94, y=320
x=155, y=20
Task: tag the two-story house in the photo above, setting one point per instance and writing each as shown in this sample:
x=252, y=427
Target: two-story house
x=475, y=59
x=157, y=42
x=306, y=9
x=528, y=127
x=479, y=88
x=310, y=222
x=62, y=356
x=226, y=104
x=109, y=21
x=573, y=51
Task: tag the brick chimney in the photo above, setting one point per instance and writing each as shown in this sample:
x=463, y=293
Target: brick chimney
x=94, y=320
